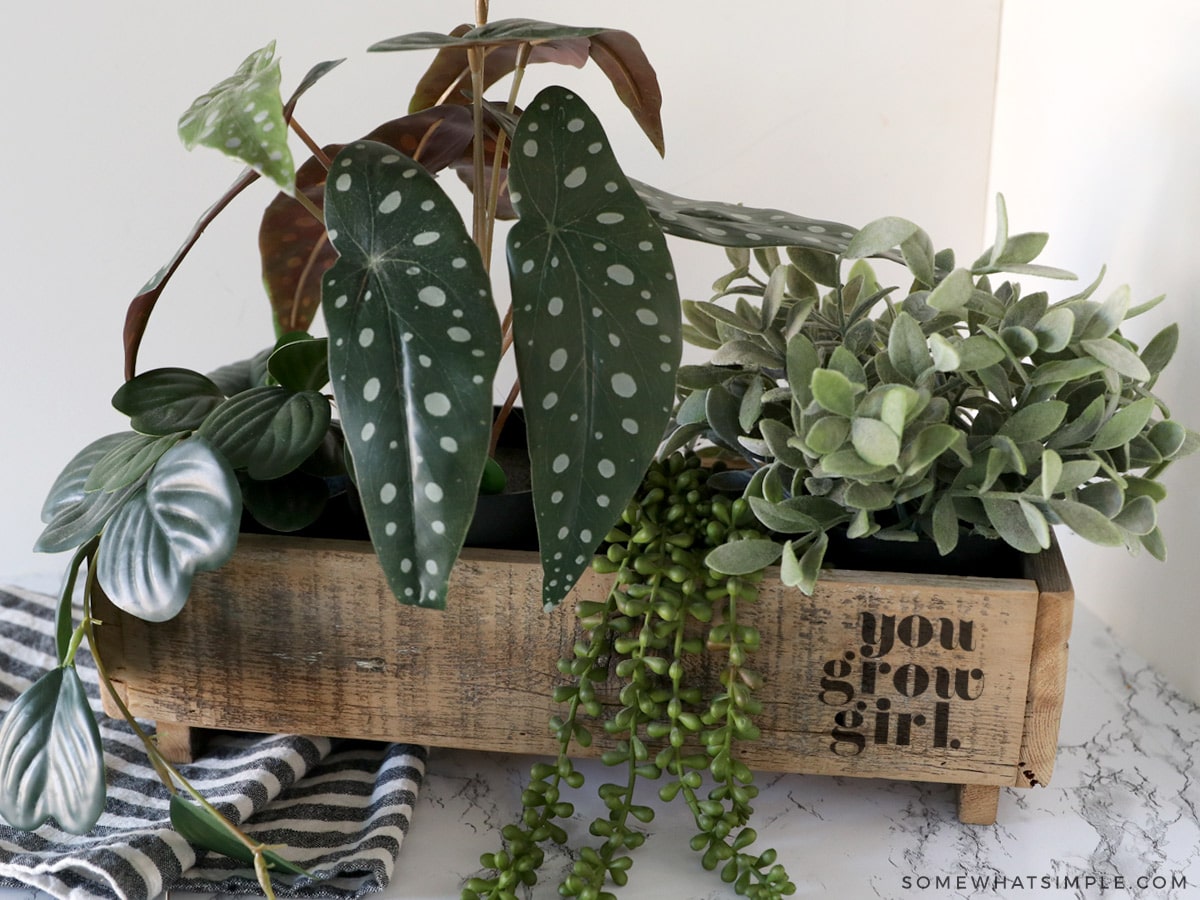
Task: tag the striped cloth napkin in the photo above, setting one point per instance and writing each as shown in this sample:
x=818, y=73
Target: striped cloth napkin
x=341, y=808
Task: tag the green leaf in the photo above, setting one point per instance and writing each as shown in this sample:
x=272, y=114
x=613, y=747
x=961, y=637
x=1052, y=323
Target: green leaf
x=1054, y=330
x=415, y=335
x=596, y=323
x=872, y=497
x=846, y=464
x=1088, y=523
x=746, y=353
x=1117, y=357
x=952, y=292
x=183, y=520
x=1081, y=428
x=199, y=826
x=731, y=225
x=1161, y=349
x=242, y=375
x=777, y=435
x=1074, y=473
x=1061, y=371
x=783, y=516
x=301, y=365
x=129, y=461
x=1011, y=523
x=243, y=118
x=1139, y=516
x=1052, y=473
x=880, y=236
x=907, y=348
x=1021, y=248
x=72, y=514
x=1125, y=424
x=918, y=253
x=979, y=352
x=1154, y=543
x=1109, y=315
x=930, y=444
x=834, y=392
x=268, y=431
x=51, y=756
x=827, y=434
x=802, y=363
x=751, y=406
x=803, y=573
x=285, y=504
x=1168, y=438
x=164, y=401
x=945, y=524
x=743, y=557
x=1037, y=523
x=875, y=441
x=1034, y=423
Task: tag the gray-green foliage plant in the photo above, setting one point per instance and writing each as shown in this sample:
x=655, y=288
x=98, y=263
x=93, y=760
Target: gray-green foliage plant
x=957, y=404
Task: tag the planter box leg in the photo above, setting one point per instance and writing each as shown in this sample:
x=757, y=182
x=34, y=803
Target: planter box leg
x=178, y=743
x=977, y=804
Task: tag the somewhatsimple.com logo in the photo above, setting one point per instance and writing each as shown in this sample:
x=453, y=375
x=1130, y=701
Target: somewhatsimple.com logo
x=1082, y=882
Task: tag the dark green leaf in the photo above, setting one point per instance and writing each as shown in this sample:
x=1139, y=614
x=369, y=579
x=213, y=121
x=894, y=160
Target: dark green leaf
x=164, y=401
x=73, y=515
x=1168, y=438
x=416, y=338
x=243, y=118
x=203, y=829
x=129, y=461
x=268, y=431
x=596, y=323
x=1139, y=516
x=301, y=365
x=183, y=520
x=743, y=557
x=1080, y=429
x=730, y=225
x=242, y=375
x=285, y=504
x=51, y=756
x=777, y=435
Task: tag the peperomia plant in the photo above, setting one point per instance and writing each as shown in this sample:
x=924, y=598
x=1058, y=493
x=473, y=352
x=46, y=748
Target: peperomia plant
x=952, y=408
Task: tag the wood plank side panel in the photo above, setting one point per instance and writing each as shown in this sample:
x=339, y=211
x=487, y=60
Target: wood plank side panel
x=320, y=646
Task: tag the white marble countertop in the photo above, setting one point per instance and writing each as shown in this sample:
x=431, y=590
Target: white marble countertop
x=1120, y=818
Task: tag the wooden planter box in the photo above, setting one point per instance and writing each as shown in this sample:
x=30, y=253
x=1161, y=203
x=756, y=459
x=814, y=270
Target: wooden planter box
x=927, y=678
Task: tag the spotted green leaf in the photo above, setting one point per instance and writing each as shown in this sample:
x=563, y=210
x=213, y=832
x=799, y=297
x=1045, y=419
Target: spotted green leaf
x=268, y=431
x=164, y=401
x=51, y=758
x=415, y=338
x=243, y=118
x=184, y=519
x=203, y=829
x=596, y=322
x=72, y=514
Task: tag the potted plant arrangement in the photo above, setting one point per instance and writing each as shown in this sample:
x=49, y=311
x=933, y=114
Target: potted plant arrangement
x=833, y=409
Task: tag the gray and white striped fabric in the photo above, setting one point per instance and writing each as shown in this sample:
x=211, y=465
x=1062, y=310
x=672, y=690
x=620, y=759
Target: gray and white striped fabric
x=342, y=808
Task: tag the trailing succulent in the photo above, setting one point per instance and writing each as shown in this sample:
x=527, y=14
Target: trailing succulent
x=954, y=407
x=666, y=605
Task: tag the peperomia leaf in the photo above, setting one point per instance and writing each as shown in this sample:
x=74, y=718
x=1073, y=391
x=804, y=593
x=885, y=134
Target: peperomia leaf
x=268, y=431
x=302, y=364
x=415, y=338
x=129, y=461
x=182, y=521
x=243, y=118
x=164, y=401
x=73, y=515
x=596, y=323
x=51, y=758
x=203, y=829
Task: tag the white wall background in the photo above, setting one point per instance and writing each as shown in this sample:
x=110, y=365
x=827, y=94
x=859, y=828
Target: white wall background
x=1097, y=140
x=846, y=111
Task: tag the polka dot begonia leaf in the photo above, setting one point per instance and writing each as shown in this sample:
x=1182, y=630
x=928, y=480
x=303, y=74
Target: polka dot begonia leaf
x=243, y=118
x=596, y=320
x=414, y=342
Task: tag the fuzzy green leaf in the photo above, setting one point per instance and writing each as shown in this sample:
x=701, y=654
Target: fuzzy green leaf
x=1060, y=371
x=164, y=401
x=875, y=441
x=979, y=352
x=596, y=324
x=827, y=434
x=952, y=292
x=803, y=573
x=907, y=348
x=917, y=250
x=1054, y=330
x=51, y=758
x=802, y=363
x=1109, y=315
x=1139, y=516
x=1161, y=349
x=880, y=236
x=243, y=117
x=1011, y=523
x=183, y=520
x=834, y=392
x=1117, y=357
x=743, y=557
x=930, y=444
x=1088, y=523
x=945, y=524
x=1125, y=424
x=783, y=517
x=1034, y=423
x=416, y=337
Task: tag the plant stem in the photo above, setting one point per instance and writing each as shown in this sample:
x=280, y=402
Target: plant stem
x=312, y=145
x=313, y=209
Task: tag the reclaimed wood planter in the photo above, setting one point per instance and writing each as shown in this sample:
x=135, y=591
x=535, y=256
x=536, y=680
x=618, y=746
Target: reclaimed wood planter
x=946, y=679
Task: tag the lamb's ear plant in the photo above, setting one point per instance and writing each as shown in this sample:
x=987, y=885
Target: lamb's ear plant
x=954, y=405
